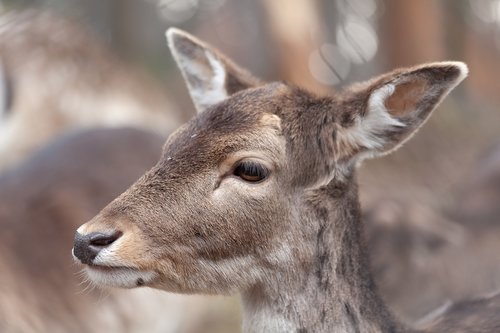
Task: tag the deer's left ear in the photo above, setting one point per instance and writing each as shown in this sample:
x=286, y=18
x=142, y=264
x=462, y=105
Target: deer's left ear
x=210, y=76
x=382, y=114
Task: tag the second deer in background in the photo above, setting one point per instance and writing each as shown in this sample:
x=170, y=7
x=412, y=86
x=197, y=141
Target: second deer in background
x=55, y=77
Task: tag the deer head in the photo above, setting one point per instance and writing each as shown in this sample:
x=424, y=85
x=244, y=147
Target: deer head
x=228, y=204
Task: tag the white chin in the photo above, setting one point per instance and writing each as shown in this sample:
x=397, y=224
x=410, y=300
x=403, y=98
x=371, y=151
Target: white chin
x=121, y=277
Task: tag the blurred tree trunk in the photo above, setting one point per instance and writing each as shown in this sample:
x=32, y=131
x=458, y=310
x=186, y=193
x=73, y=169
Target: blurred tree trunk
x=297, y=31
x=412, y=32
x=482, y=59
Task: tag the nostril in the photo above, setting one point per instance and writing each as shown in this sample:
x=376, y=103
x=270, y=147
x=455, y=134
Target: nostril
x=87, y=247
x=102, y=239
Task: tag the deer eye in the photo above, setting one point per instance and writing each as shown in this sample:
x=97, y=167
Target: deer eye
x=251, y=171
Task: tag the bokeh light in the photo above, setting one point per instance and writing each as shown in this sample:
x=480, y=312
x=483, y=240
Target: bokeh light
x=177, y=11
x=328, y=65
x=357, y=40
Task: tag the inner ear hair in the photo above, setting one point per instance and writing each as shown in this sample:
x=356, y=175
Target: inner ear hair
x=405, y=97
x=421, y=85
x=210, y=76
x=390, y=109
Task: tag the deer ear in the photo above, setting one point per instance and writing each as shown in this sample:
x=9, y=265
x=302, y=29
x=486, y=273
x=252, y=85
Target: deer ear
x=382, y=114
x=209, y=75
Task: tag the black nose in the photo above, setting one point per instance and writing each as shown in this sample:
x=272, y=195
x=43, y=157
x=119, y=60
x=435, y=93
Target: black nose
x=86, y=247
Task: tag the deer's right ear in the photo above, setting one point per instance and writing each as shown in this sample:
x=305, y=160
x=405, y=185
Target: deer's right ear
x=382, y=114
x=209, y=75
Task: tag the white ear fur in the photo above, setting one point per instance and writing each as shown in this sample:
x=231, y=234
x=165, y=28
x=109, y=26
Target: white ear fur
x=366, y=131
x=379, y=131
x=203, y=71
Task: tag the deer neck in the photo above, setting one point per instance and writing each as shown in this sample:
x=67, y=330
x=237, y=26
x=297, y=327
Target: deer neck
x=333, y=291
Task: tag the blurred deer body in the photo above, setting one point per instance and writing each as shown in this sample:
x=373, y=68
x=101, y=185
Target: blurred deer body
x=54, y=78
x=41, y=203
x=422, y=259
x=422, y=256
x=479, y=197
x=258, y=194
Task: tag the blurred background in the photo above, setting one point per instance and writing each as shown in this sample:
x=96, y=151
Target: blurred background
x=79, y=78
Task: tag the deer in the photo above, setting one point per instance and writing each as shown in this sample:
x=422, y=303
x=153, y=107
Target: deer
x=57, y=77
x=257, y=195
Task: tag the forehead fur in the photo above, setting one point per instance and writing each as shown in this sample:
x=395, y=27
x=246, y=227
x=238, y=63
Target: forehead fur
x=231, y=125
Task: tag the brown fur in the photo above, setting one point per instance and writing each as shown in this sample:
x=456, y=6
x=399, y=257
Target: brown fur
x=41, y=203
x=291, y=244
x=406, y=97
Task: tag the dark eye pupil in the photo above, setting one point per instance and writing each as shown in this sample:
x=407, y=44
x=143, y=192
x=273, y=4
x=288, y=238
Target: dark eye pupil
x=251, y=171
